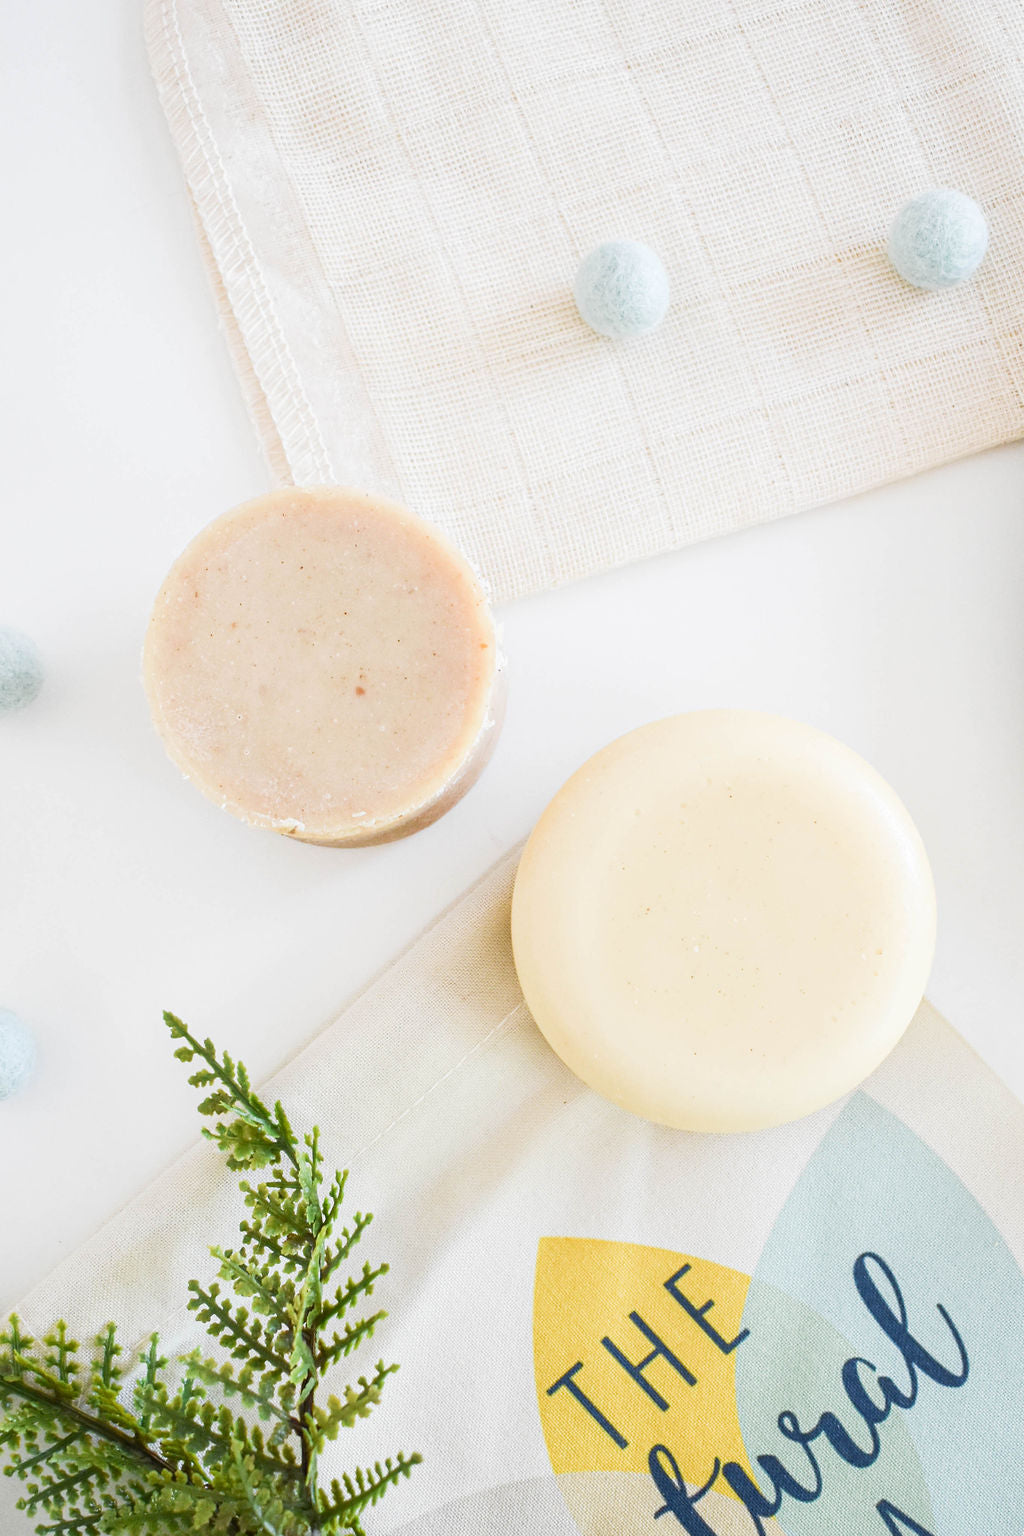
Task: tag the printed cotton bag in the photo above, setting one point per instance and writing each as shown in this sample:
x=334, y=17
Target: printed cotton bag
x=613, y=1329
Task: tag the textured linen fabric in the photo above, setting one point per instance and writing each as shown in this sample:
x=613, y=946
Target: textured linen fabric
x=526, y=1220
x=395, y=195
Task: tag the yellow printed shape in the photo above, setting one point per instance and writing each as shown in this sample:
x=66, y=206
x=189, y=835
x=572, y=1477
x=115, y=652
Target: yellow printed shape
x=586, y=1290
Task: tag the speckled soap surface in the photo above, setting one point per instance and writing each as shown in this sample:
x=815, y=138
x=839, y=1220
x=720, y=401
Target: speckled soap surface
x=323, y=664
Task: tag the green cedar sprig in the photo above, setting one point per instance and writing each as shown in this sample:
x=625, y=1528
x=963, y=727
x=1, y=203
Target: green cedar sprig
x=228, y=1444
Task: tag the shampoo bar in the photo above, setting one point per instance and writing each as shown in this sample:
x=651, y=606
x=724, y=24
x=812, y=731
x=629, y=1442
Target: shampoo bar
x=322, y=663
x=724, y=921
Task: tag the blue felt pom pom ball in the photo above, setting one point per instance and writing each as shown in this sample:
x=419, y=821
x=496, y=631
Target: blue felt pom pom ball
x=938, y=239
x=17, y=1053
x=21, y=670
x=622, y=289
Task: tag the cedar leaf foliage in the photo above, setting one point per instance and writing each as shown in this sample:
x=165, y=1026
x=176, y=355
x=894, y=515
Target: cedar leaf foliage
x=226, y=1444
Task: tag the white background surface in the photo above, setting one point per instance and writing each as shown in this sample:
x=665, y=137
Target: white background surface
x=894, y=621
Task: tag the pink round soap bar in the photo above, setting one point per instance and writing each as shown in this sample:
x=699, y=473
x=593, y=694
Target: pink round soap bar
x=321, y=663
x=724, y=920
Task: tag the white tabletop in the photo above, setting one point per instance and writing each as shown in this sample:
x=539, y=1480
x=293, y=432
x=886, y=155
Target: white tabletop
x=894, y=621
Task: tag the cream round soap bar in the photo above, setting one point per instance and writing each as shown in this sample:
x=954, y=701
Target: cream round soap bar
x=322, y=663
x=723, y=921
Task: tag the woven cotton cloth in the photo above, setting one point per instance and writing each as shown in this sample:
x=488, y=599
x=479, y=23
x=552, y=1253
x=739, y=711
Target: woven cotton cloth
x=529, y=1224
x=394, y=196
